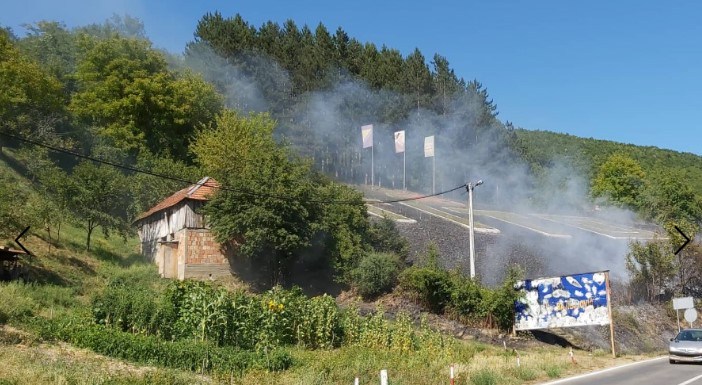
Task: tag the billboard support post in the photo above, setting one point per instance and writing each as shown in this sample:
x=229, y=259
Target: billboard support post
x=609, y=310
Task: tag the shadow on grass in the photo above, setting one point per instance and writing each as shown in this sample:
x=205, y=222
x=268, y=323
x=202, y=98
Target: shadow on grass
x=116, y=259
x=75, y=262
x=36, y=273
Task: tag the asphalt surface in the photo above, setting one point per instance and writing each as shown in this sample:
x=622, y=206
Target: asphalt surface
x=528, y=242
x=654, y=372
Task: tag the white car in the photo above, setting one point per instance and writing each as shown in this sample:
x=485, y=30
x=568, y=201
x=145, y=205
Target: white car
x=686, y=346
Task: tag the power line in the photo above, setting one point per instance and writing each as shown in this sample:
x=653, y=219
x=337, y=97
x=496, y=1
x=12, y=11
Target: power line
x=224, y=188
x=417, y=198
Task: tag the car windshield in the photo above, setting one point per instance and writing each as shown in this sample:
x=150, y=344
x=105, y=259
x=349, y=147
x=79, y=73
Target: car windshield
x=690, y=335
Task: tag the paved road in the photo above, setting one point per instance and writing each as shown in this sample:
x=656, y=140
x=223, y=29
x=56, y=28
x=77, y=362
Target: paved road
x=654, y=372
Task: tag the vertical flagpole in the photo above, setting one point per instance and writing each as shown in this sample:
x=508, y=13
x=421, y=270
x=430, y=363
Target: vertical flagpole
x=433, y=174
x=372, y=167
x=471, y=237
x=609, y=310
x=404, y=170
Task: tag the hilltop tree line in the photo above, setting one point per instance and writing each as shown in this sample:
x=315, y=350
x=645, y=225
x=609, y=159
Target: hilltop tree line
x=322, y=86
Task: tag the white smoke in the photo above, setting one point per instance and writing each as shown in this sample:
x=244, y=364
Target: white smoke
x=464, y=152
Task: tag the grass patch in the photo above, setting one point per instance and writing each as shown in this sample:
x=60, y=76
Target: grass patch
x=485, y=377
x=553, y=371
x=525, y=374
x=43, y=364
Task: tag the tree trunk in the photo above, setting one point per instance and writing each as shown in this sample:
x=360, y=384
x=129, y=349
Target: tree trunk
x=48, y=231
x=90, y=232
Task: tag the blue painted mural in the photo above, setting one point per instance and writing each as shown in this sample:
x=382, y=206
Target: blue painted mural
x=573, y=300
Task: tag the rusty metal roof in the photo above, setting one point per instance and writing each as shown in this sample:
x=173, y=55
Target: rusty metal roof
x=198, y=192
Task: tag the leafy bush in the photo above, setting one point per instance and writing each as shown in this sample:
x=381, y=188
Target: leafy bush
x=466, y=297
x=375, y=274
x=385, y=238
x=432, y=286
x=498, y=304
x=442, y=291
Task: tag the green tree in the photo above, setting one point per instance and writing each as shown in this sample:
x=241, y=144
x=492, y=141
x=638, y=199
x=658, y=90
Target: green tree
x=621, y=179
x=385, y=237
x=55, y=47
x=445, y=82
x=14, y=213
x=267, y=204
x=343, y=228
x=651, y=266
x=98, y=198
x=117, y=25
x=30, y=98
x=669, y=199
x=229, y=146
x=128, y=95
x=50, y=206
x=418, y=80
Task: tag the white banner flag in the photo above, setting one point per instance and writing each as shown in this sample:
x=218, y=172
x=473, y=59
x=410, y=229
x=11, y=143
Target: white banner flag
x=429, y=146
x=367, y=135
x=399, y=141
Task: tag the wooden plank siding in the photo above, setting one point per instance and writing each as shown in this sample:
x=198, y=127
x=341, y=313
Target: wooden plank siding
x=161, y=226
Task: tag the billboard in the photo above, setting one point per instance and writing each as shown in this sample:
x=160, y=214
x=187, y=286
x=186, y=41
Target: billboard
x=573, y=300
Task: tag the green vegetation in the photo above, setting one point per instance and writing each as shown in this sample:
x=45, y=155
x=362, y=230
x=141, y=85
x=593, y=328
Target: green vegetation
x=108, y=301
x=102, y=91
x=449, y=292
x=661, y=185
x=376, y=274
x=186, y=355
x=620, y=179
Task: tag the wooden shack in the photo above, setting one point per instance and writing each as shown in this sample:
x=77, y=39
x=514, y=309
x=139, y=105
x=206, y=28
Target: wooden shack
x=10, y=264
x=174, y=234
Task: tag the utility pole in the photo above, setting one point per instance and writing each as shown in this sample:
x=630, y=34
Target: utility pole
x=470, y=186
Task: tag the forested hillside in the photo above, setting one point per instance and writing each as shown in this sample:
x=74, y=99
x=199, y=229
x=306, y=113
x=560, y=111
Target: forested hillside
x=662, y=185
x=323, y=86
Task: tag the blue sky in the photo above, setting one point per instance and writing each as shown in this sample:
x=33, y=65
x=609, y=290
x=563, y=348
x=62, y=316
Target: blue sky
x=627, y=71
